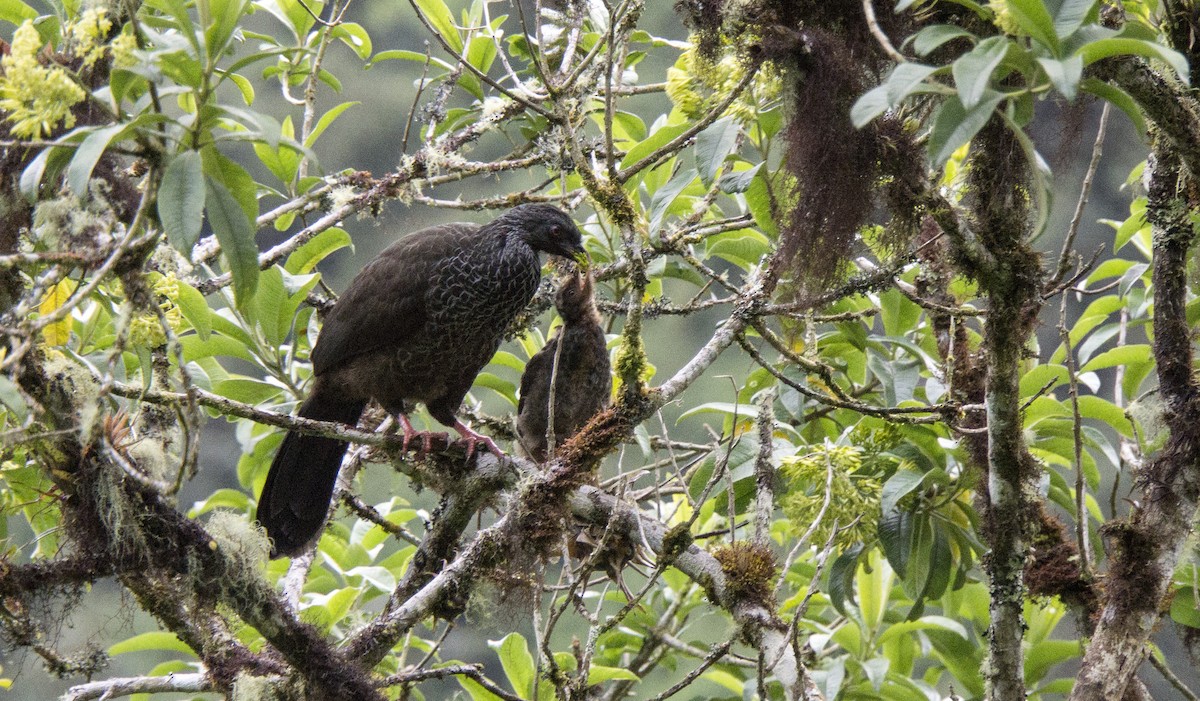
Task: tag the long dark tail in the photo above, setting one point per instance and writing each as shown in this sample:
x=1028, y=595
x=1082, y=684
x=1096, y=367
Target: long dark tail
x=299, y=486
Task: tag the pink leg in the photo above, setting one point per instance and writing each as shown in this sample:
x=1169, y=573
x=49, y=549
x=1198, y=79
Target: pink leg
x=410, y=433
x=472, y=438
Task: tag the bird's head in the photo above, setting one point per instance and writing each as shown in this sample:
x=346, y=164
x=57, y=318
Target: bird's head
x=548, y=229
x=574, y=299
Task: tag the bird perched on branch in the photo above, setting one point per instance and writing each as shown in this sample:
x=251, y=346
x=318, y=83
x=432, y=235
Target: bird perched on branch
x=575, y=362
x=417, y=324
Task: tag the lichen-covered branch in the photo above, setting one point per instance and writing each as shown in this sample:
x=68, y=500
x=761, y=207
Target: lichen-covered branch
x=1145, y=549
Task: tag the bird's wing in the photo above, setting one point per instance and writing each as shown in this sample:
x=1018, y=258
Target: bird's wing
x=385, y=303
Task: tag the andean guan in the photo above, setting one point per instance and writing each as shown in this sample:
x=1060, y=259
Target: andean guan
x=583, y=382
x=417, y=324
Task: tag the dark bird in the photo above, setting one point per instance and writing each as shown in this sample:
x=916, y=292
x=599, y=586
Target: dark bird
x=417, y=324
x=583, y=380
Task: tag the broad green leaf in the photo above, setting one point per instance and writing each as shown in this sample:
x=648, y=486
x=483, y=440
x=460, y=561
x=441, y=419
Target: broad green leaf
x=1093, y=407
x=973, y=71
x=16, y=12
x=895, y=538
x=1070, y=15
x=316, y=249
x=324, y=122
x=355, y=36
x=1035, y=20
x=195, y=310
x=442, y=20
x=1118, y=97
x=235, y=233
x=79, y=172
x=897, y=486
x=598, y=674
x=518, y=665
x=714, y=145
x=246, y=390
x=904, y=79
x=1046, y=654
x=652, y=143
x=758, y=202
x=1124, y=355
x=10, y=397
x=1064, y=74
x=1041, y=375
x=955, y=125
x=1122, y=46
x=181, y=201
x=869, y=106
x=154, y=640
x=236, y=180
x=933, y=36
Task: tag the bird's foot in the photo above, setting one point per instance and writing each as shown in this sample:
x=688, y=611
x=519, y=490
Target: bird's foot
x=473, y=439
x=426, y=437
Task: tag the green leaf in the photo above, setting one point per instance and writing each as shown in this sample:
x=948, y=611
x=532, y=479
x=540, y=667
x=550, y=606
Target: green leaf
x=973, y=71
x=841, y=578
x=738, y=181
x=1071, y=15
x=1035, y=20
x=758, y=202
x=1118, y=97
x=1093, y=407
x=10, y=397
x=246, y=390
x=353, y=35
x=236, y=180
x=895, y=538
x=518, y=665
x=195, y=309
x=934, y=36
x=79, y=172
x=269, y=299
x=155, y=640
x=404, y=55
x=181, y=201
x=316, y=249
x=1122, y=46
x=1064, y=74
x=1125, y=355
x=665, y=196
x=598, y=674
x=714, y=145
x=16, y=12
x=324, y=122
x=898, y=485
x=442, y=20
x=1040, y=376
x=235, y=233
x=869, y=106
x=652, y=143
x=954, y=125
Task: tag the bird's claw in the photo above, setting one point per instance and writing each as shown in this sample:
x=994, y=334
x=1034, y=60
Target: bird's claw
x=472, y=439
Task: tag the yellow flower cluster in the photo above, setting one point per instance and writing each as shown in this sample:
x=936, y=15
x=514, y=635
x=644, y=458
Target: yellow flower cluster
x=853, y=502
x=145, y=329
x=88, y=33
x=122, y=48
x=697, y=86
x=35, y=98
x=1003, y=17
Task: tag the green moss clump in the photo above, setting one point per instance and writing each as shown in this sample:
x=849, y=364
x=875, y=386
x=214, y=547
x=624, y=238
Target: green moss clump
x=749, y=570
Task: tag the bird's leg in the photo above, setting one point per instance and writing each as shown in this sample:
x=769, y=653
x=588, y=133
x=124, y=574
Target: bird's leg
x=409, y=431
x=472, y=438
